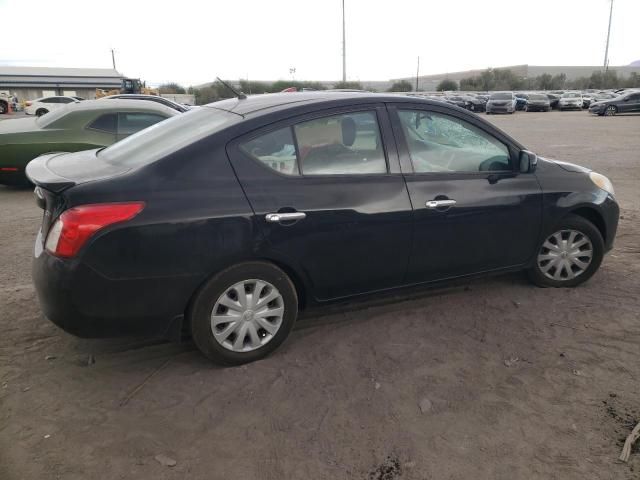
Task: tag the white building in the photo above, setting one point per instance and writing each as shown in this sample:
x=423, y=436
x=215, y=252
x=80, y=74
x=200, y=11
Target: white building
x=28, y=83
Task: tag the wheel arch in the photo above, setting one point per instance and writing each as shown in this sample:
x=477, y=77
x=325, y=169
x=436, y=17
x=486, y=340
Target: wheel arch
x=295, y=277
x=593, y=216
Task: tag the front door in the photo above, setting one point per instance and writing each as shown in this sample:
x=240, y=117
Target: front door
x=473, y=211
x=329, y=198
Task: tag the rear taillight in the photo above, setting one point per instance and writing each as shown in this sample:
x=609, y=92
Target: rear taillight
x=75, y=226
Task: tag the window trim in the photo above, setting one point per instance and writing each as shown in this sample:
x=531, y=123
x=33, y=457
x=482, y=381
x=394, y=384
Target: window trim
x=310, y=116
x=406, y=163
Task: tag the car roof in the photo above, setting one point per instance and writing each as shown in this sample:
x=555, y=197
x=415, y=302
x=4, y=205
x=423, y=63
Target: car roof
x=121, y=104
x=270, y=101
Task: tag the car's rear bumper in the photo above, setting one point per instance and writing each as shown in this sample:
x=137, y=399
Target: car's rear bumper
x=538, y=107
x=87, y=304
x=13, y=177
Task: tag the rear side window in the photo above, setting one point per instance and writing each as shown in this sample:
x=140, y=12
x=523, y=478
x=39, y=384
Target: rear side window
x=131, y=122
x=65, y=100
x=276, y=150
x=105, y=123
x=346, y=144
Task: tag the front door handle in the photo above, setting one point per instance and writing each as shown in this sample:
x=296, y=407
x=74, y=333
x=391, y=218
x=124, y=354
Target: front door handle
x=440, y=203
x=284, y=217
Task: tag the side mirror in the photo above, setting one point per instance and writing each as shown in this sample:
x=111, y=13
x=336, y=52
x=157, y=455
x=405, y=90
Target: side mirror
x=528, y=161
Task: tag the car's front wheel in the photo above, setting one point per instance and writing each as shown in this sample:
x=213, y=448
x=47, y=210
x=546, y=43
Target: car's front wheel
x=611, y=110
x=243, y=313
x=4, y=107
x=569, y=256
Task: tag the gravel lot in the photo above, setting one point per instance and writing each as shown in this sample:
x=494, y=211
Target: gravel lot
x=493, y=379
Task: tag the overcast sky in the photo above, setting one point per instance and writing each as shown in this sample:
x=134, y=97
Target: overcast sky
x=192, y=42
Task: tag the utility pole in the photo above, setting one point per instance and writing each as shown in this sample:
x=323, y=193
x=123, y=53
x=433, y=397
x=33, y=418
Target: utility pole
x=113, y=58
x=344, y=49
x=417, y=73
x=606, y=50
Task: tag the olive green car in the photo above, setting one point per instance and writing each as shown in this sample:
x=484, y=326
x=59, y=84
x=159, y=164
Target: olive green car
x=79, y=126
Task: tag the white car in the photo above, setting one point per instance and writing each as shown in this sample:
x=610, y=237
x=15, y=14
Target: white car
x=570, y=100
x=43, y=105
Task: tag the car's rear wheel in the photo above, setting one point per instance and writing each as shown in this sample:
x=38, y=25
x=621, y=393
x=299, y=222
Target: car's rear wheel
x=243, y=313
x=41, y=111
x=4, y=108
x=611, y=110
x=569, y=256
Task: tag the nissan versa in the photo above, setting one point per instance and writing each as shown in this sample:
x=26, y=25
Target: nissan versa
x=229, y=219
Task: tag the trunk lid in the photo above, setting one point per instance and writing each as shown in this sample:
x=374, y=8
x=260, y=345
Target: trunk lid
x=58, y=171
x=54, y=173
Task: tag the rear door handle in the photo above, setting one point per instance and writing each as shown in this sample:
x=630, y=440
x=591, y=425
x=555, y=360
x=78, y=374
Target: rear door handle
x=440, y=203
x=284, y=217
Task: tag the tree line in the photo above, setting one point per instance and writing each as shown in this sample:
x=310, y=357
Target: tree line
x=505, y=79
x=490, y=79
x=217, y=91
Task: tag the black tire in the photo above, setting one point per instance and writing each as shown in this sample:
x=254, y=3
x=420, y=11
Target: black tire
x=610, y=111
x=589, y=230
x=199, y=314
x=41, y=111
x=4, y=108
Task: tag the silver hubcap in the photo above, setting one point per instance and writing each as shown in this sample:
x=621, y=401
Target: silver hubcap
x=611, y=110
x=247, y=315
x=565, y=255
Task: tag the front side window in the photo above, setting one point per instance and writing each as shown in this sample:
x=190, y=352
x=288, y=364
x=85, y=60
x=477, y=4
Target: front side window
x=346, y=144
x=442, y=143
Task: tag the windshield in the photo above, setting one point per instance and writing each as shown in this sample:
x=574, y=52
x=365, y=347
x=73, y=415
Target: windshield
x=501, y=96
x=537, y=96
x=168, y=136
x=571, y=95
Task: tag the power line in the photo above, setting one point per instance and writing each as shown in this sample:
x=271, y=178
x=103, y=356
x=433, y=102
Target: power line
x=344, y=47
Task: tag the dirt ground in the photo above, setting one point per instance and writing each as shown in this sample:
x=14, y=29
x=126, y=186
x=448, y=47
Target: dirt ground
x=493, y=379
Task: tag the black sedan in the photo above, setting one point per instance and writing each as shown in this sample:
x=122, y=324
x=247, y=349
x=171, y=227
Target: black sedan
x=625, y=103
x=231, y=218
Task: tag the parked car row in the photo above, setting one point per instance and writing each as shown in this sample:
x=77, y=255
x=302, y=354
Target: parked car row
x=603, y=102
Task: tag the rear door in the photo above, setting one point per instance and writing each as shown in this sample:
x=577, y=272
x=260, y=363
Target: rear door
x=473, y=211
x=329, y=198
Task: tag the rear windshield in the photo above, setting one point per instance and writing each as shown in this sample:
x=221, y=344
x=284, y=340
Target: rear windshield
x=168, y=136
x=501, y=96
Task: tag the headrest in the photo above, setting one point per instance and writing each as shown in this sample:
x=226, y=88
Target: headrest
x=348, y=126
